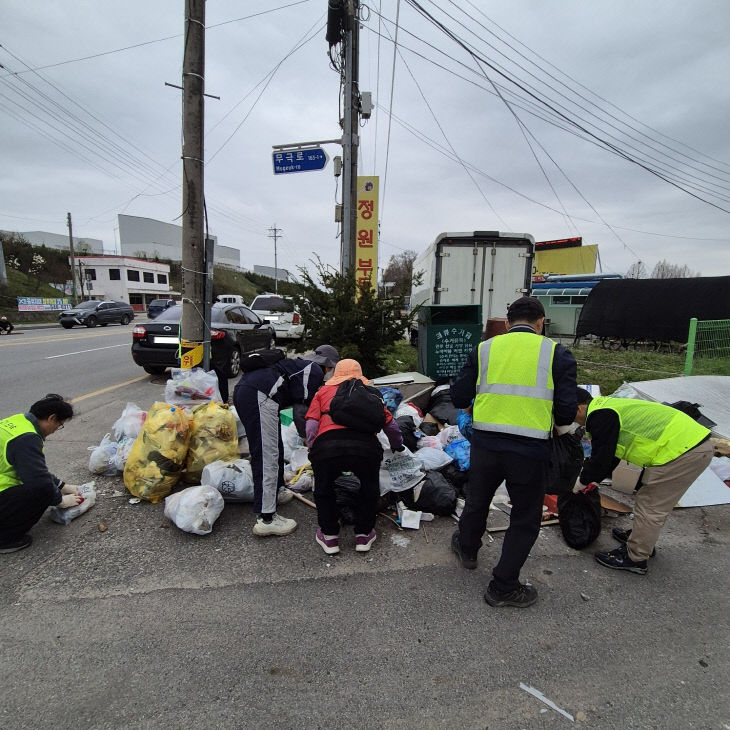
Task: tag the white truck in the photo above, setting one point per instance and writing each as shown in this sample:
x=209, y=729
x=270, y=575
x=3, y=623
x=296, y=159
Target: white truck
x=479, y=267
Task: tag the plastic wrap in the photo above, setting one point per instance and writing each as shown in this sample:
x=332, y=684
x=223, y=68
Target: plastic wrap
x=64, y=515
x=191, y=387
x=103, y=457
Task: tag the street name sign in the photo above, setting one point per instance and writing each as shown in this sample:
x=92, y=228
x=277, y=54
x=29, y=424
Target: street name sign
x=313, y=158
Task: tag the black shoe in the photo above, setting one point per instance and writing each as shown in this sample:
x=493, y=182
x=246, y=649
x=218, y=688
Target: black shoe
x=468, y=560
x=521, y=597
x=623, y=535
x=618, y=559
x=13, y=547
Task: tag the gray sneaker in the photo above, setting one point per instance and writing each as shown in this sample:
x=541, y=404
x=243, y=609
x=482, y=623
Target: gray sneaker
x=278, y=526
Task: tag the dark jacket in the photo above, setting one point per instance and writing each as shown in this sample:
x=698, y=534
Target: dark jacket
x=25, y=454
x=291, y=382
x=565, y=404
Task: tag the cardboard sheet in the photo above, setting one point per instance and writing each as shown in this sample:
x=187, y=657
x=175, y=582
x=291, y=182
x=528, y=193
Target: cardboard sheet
x=707, y=489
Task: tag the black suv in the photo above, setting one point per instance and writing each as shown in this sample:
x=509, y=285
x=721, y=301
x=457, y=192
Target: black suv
x=92, y=313
x=158, y=306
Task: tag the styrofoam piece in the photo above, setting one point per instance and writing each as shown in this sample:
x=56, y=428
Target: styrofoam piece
x=706, y=490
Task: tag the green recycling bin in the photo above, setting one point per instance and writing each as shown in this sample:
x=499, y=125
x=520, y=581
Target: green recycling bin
x=446, y=335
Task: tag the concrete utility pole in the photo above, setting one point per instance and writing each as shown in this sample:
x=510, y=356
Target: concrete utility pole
x=275, y=235
x=193, y=237
x=350, y=127
x=73, y=258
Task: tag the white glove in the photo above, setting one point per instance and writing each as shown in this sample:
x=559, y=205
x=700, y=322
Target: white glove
x=578, y=486
x=70, y=500
x=70, y=489
x=571, y=428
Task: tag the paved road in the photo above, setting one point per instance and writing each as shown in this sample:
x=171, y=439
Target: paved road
x=143, y=626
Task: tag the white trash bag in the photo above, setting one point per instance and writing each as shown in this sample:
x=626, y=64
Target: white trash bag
x=406, y=409
x=130, y=423
x=64, y=515
x=291, y=440
x=233, y=479
x=191, y=387
x=431, y=458
x=194, y=509
x=399, y=470
x=448, y=435
x=123, y=448
x=102, y=459
x=298, y=458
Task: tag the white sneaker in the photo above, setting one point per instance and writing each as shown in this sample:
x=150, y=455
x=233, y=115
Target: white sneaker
x=278, y=526
x=284, y=495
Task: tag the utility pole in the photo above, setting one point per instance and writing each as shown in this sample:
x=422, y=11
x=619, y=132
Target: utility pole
x=274, y=233
x=193, y=237
x=350, y=139
x=73, y=258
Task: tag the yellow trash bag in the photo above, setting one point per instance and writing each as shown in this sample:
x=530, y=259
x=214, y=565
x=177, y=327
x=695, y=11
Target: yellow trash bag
x=212, y=438
x=158, y=454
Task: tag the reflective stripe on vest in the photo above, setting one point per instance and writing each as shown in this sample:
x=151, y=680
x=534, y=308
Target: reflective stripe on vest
x=11, y=428
x=514, y=392
x=651, y=433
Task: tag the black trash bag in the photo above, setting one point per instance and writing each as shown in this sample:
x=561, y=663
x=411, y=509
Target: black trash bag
x=457, y=479
x=441, y=407
x=566, y=461
x=429, y=428
x=408, y=428
x=579, y=516
x=436, y=495
x=347, y=487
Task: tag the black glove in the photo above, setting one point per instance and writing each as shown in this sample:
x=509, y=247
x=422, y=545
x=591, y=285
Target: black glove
x=400, y=448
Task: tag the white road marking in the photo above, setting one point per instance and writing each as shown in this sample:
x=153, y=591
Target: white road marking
x=80, y=352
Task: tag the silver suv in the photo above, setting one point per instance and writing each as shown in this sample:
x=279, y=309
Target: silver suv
x=281, y=313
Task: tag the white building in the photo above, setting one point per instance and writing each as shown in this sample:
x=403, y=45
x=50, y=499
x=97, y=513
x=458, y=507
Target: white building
x=125, y=279
x=148, y=237
x=59, y=241
x=280, y=274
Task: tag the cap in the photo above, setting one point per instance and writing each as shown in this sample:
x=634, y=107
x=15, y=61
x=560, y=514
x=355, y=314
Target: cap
x=527, y=308
x=324, y=355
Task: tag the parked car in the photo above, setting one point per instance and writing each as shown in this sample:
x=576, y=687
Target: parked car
x=93, y=312
x=281, y=313
x=234, y=330
x=157, y=306
x=230, y=299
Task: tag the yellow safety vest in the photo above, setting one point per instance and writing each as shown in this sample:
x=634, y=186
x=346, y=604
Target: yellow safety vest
x=515, y=387
x=651, y=433
x=11, y=428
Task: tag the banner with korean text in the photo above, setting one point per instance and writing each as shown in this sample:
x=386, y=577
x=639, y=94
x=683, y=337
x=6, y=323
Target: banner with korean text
x=366, y=246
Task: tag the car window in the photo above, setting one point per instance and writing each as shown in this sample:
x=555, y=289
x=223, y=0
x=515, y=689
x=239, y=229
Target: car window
x=172, y=314
x=105, y=305
x=235, y=315
x=158, y=302
x=87, y=305
x=250, y=317
x=272, y=304
x=218, y=316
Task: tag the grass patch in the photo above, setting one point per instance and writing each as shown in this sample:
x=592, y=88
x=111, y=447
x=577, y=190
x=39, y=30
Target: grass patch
x=610, y=368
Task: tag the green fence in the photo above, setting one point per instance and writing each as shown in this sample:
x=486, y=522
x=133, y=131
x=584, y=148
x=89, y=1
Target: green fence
x=707, y=338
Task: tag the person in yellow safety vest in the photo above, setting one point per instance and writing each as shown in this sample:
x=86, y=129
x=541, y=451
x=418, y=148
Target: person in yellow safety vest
x=522, y=385
x=27, y=488
x=672, y=448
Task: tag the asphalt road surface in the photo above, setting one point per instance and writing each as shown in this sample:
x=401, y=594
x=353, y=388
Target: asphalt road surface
x=143, y=626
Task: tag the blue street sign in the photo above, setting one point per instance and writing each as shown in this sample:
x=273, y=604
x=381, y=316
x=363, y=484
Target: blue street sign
x=314, y=158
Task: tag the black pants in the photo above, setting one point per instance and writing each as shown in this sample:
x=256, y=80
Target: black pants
x=21, y=507
x=525, y=479
x=367, y=470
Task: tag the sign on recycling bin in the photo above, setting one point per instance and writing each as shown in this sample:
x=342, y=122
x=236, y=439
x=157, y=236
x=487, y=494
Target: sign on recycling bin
x=451, y=344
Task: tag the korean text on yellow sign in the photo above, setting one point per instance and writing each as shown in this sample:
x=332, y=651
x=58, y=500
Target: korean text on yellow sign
x=366, y=247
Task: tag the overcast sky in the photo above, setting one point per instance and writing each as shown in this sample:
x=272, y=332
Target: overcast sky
x=452, y=157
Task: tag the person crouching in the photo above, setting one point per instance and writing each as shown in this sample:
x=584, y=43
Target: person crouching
x=335, y=449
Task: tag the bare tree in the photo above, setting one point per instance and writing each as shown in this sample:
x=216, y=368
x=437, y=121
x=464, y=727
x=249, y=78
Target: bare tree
x=399, y=271
x=637, y=270
x=665, y=270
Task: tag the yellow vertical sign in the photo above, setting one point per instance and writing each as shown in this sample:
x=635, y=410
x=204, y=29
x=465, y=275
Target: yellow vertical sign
x=366, y=246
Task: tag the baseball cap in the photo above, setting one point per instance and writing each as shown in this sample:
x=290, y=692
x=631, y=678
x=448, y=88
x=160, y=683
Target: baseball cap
x=527, y=308
x=324, y=355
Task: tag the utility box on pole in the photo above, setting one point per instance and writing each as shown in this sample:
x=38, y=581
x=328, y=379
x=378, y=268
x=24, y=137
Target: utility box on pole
x=193, y=216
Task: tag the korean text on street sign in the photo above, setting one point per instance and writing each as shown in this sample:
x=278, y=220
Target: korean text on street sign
x=313, y=158
x=366, y=244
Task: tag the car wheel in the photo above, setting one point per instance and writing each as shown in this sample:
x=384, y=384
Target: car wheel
x=124, y=319
x=91, y=321
x=154, y=369
x=66, y=325
x=234, y=363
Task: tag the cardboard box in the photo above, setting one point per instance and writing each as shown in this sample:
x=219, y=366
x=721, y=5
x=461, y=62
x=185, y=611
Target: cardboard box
x=625, y=477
